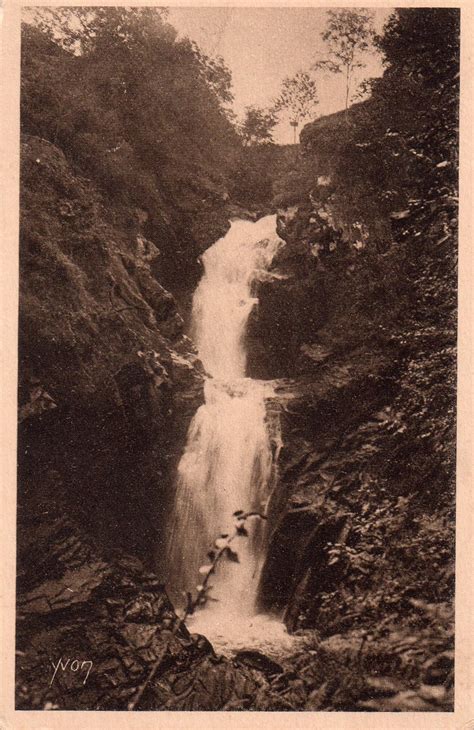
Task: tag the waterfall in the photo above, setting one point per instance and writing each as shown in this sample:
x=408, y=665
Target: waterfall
x=227, y=463
x=223, y=300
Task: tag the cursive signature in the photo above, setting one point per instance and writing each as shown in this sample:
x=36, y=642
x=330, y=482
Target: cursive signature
x=72, y=666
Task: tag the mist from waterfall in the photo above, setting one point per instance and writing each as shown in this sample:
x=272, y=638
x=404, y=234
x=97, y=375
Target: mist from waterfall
x=227, y=463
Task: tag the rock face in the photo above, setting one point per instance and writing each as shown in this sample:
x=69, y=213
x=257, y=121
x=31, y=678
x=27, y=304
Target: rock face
x=108, y=385
x=359, y=325
x=98, y=633
x=108, y=381
x=361, y=544
x=294, y=302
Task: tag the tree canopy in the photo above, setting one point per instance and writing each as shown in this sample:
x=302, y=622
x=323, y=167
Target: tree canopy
x=257, y=126
x=299, y=97
x=349, y=34
x=126, y=99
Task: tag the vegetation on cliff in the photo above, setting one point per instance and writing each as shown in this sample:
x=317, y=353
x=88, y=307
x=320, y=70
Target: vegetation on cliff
x=368, y=326
x=139, y=113
x=124, y=146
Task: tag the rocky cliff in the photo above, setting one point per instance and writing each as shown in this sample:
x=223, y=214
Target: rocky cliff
x=360, y=327
x=106, y=375
x=367, y=466
x=115, y=211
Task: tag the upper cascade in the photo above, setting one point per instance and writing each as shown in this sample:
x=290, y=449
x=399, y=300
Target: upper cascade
x=223, y=299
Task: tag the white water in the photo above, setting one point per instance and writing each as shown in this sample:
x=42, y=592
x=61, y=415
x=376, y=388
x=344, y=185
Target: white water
x=223, y=300
x=227, y=464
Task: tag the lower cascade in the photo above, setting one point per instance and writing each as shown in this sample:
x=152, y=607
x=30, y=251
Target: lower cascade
x=230, y=457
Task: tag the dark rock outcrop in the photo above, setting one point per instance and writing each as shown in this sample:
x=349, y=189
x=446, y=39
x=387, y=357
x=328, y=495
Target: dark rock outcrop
x=354, y=446
x=361, y=539
x=99, y=633
x=108, y=381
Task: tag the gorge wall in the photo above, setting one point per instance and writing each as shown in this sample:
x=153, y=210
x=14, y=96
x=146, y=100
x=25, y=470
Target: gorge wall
x=108, y=380
x=360, y=327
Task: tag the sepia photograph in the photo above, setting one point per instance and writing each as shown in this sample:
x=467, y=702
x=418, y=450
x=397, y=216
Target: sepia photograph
x=237, y=337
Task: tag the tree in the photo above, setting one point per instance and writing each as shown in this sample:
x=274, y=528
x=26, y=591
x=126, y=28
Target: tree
x=257, y=126
x=140, y=111
x=299, y=97
x=217, y=75
x=348, y=35
x=85, y=29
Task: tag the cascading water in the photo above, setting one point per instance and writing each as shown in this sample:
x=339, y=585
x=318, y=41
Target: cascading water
x=228, y=460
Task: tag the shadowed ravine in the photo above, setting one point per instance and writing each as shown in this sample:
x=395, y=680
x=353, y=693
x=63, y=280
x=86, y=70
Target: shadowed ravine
x=231, y=451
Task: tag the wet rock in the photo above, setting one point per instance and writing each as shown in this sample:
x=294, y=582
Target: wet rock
x=95, y=647
x=144, y=609
x=257, y=660
x=139, y=635
x=74, y=587
x=201, y=645
x=145, y=390
x=382, y=686
x=285, y=556
x=439, y=669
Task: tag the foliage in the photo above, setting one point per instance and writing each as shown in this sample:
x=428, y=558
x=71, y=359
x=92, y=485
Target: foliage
x=257, y=126
x=84, y=30
x=299, y=97
x=221, y=550
x=349, y=35
x=142, y=113
x=396, y=139
x=379, y=589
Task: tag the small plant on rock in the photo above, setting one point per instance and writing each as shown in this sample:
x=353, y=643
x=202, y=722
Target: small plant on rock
x=221, y=550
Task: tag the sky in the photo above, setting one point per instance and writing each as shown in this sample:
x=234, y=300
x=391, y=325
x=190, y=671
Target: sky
x=262, y=46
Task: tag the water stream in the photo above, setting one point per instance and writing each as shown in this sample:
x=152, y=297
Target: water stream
x=230, y=455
